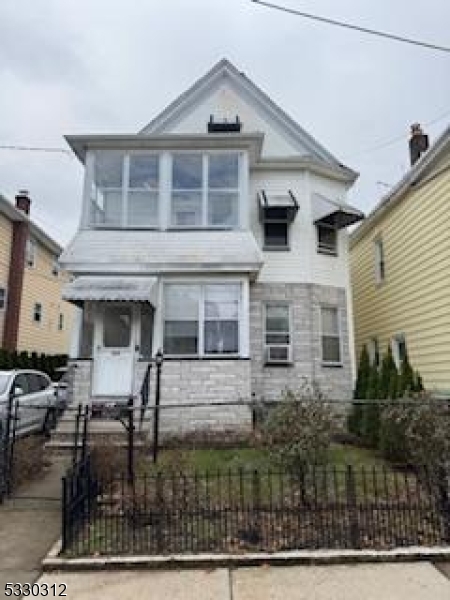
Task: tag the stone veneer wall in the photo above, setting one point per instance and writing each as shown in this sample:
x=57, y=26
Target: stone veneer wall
x=80, y=374
x=268, y=382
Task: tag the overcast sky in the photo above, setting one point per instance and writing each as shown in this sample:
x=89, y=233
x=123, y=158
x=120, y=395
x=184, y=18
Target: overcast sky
x=109, y=66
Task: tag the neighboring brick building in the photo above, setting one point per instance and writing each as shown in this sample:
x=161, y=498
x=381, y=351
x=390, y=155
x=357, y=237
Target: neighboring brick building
x=33, y=316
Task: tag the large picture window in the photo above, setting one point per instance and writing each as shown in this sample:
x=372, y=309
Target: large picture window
x=201, y=319
x=205, y=190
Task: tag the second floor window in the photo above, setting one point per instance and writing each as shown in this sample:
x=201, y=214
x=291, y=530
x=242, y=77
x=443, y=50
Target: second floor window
x=205, y=190
x=380, y=270
x=30, y=253
x=125, y=190
x=326, y=239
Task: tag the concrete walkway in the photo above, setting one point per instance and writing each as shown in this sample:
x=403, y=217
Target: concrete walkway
x=414, y=581
x=30, y=522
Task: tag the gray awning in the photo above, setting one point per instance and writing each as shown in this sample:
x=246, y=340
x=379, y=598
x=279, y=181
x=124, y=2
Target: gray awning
x=334, y=213
x=277, y=207
x=121, y=289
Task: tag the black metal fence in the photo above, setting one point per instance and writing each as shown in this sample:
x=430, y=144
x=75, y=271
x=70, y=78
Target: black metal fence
x=232, y=511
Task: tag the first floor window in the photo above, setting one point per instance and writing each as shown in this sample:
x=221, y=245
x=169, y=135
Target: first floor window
x=399, y=349
x=277, y=333
x=326, y=239
x=2, y=298
x=374, y=352
x=201, y=319
x=37, y=312
x=331, y=343
x=61, y=322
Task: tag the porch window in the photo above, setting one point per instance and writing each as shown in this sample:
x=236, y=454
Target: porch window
x=125, y=190
x=205, y=190
x=87, y=331
x=331, y=340
x=201, y=319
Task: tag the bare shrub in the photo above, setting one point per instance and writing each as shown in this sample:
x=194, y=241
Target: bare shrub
x=28, y=462
x=298, y=431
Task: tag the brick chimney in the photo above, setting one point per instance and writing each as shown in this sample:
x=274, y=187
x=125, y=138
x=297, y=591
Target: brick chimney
x=418, y=143
x=23, y=201
x=16, y=274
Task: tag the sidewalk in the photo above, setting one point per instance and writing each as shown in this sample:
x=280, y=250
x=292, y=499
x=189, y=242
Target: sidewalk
x=414, y=581
x=30, y=522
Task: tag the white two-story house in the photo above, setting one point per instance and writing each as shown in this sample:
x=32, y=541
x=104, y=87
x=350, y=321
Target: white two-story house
x=218, y=235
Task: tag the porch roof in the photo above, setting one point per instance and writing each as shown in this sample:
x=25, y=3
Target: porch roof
x=158, y=252
x=136, y=289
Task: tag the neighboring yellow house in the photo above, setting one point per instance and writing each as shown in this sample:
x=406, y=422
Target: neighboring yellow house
x=33, y=316
x=400, y=267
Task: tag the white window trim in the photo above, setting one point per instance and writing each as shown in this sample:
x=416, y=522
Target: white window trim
x=5, y=297
x=331, y=363
x=205, y=190
x=372, y=348
x=395, y=342
x=243, y=320
x=380, y=273
x=264, y=329
x=41, y=313
x=30, y=253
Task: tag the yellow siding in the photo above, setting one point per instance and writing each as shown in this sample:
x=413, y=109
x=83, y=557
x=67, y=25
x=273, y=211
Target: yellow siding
x=41, y=286
x=414, y=299
x=5, y=254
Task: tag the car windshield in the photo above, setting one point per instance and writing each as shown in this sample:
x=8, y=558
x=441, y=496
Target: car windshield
x=4, y=380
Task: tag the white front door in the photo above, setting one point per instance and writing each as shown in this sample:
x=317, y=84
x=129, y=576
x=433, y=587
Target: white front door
x=114, y=350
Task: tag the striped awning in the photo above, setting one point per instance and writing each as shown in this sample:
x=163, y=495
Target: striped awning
x=119, y=289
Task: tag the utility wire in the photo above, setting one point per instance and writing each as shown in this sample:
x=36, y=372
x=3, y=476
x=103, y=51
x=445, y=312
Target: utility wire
x=383, y=34
x=34, y=149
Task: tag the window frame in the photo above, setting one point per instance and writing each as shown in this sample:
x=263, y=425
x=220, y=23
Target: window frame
x=266, y=345
x=276, y=247
x=39, y=312
x=3, y=298
x=331, y=363
x=327, y=251
x=201, y=319
x=124, y=190
x=30, y=252
x=61, y=321
x=397, y=340
x=205, y=190
x=380, y=261
x=374, y=352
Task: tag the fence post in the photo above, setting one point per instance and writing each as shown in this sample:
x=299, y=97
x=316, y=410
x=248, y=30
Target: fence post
x=158, y=361
x=350, y=488
x=130, y=428
x=64, y=514
x=256, y=489
x=76, y=436
x=444, y=500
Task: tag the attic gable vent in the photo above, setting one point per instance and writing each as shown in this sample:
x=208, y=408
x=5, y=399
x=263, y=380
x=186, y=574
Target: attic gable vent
x=224, y=126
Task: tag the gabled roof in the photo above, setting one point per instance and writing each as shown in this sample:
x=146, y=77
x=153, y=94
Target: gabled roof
x=414, y=176
x=13, y=214
x=224, y=70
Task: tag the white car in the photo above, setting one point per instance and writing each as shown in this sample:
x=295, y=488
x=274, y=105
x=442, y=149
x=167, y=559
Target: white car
x=34, y=395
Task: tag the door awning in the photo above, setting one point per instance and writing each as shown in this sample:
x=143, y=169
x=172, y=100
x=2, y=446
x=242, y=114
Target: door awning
x=334, y=213
x=119, y=289
x=277, y=207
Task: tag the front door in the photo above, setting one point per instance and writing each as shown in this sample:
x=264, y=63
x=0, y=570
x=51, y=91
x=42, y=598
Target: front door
x=114, y=350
